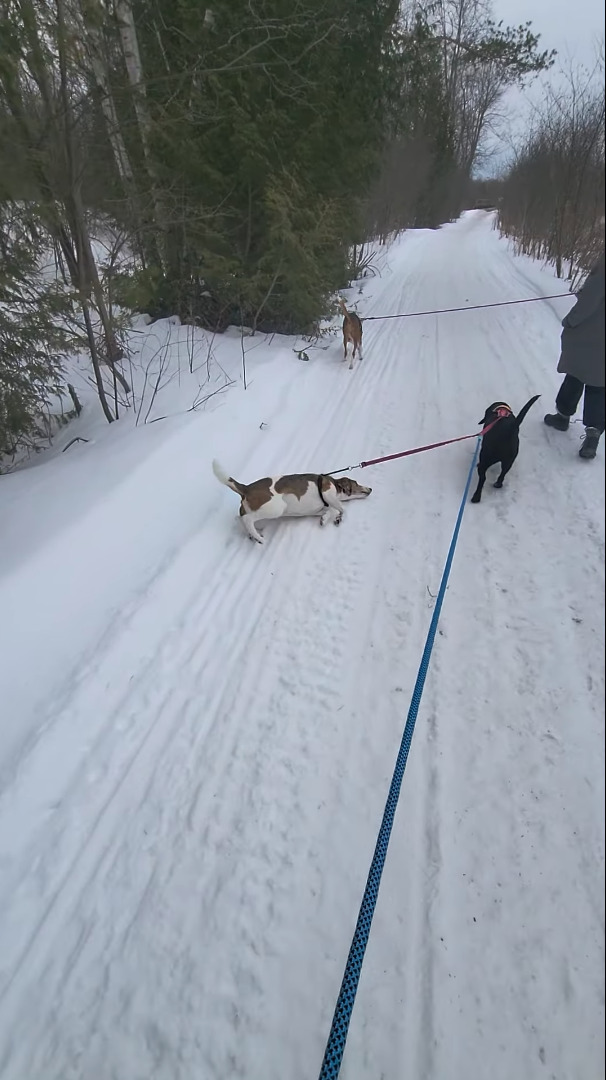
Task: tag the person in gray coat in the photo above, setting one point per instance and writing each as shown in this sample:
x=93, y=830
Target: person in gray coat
x=582, y=362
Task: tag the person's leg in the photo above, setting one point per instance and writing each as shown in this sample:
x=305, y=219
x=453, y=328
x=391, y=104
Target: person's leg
x=593, y=418
x=594, y=407
x=569, y=395
x=567, y=401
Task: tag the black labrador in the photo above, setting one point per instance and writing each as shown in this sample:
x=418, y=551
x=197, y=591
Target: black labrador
x=501, y=444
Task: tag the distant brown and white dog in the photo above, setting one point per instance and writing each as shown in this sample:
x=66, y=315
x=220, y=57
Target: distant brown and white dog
x=352, y=331
x=296, y=495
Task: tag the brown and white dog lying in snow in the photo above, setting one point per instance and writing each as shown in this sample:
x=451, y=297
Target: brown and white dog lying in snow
x=352, y=331
x=296, y=495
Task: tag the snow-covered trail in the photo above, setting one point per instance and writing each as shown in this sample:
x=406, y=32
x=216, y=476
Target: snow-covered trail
x=185, y=841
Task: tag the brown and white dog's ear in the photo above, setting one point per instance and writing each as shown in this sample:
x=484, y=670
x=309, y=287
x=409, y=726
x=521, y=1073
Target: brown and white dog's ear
x=342, y=484
x=350, y=489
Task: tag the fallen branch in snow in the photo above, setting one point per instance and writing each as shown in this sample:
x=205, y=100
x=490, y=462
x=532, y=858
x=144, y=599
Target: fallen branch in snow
x=202, y=401
x=72, y=441
x=311, y=340
x=196, y=405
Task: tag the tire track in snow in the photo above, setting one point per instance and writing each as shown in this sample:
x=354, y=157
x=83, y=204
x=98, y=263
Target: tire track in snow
x=397, y=952
x=154, y=699
x=212, y=602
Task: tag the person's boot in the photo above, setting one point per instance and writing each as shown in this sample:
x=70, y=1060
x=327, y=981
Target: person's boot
x=589, y=447
x=557, y=420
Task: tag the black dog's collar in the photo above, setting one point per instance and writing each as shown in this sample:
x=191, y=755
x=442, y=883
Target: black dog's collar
x=320, y=492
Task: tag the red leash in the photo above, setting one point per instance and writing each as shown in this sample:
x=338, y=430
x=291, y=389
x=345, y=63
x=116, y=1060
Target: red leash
x=417, y=450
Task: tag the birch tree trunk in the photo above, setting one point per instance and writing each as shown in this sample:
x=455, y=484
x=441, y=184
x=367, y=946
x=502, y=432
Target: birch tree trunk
x=134, y=70
x=91, y=18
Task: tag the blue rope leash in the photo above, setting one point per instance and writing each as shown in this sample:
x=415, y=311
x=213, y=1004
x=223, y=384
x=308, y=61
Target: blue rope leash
x=335, y=1046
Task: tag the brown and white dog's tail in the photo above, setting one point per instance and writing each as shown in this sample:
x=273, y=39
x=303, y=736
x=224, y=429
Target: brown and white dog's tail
x=225, y=478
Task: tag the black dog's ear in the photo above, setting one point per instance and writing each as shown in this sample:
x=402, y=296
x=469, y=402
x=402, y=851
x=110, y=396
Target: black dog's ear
x=484, y=420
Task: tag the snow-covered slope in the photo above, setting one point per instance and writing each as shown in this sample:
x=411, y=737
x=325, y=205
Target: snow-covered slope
x=198, y=733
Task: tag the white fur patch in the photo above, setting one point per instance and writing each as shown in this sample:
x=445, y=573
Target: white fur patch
x=286, y=504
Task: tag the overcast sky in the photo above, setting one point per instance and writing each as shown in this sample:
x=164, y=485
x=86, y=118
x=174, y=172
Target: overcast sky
x=574, y=27
x=570, y=26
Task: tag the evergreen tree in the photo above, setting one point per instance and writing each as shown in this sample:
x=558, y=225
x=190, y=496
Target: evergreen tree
x=266, y=125
x=32, y=344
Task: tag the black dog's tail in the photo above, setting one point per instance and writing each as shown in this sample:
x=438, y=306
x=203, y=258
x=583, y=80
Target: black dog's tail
x=526, y=409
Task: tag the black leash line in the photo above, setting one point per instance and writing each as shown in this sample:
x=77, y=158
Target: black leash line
x=467, y=307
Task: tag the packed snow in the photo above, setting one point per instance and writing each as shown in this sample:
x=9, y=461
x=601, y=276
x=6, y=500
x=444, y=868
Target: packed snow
x=198, y=733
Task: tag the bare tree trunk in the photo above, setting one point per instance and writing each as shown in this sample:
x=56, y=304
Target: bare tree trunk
x=92, y=15
x=92, y=344
x=79, y=259
x=83, y=249
x=75, y=399
x=98, y=65
x=134, y=70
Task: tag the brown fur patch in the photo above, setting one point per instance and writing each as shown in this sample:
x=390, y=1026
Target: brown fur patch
x=240, y=489
x=352, y=327
x=346, y=486
x=353, y=323
x=296, y=484
x=255, y=495
x=343, y=484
